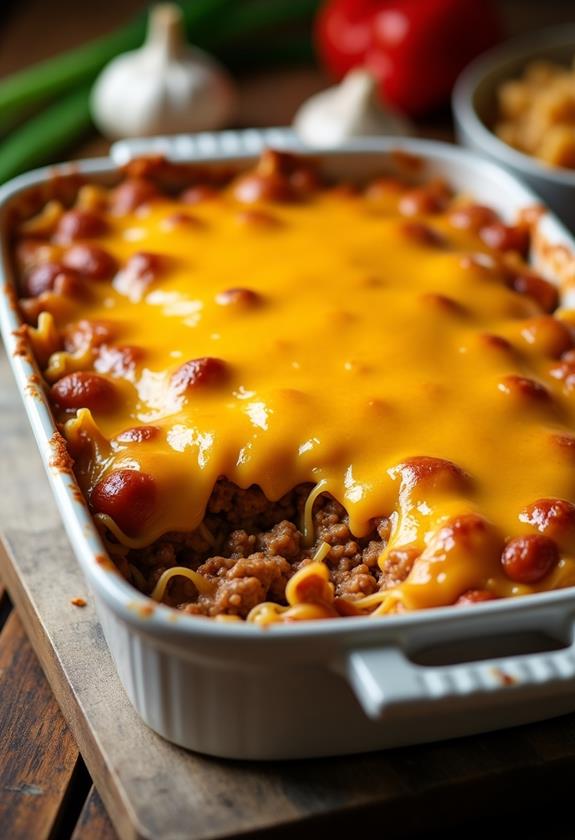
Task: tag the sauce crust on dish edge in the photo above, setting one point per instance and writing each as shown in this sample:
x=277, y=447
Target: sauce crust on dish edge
x=288, y=399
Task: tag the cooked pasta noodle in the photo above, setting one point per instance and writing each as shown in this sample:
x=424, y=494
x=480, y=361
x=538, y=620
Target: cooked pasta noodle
x=105, y=522
x=45, y=338
x=204, y=587
x=308, y=512
x=61, y=363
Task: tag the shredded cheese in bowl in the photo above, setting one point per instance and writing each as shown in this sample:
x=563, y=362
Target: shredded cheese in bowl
x=537, y=113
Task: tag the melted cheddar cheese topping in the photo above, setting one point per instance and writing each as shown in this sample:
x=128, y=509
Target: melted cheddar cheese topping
x=387, y=359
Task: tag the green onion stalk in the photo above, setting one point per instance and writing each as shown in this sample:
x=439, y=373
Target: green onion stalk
x=241, y=35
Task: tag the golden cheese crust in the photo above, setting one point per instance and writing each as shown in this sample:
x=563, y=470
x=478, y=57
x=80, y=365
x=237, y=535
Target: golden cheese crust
x=375, y=376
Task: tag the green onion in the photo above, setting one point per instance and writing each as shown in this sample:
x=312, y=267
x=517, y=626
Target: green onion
x=208, y=24
x=43, y=136
x=43, y=81
x=69, y=76
x=37, y=84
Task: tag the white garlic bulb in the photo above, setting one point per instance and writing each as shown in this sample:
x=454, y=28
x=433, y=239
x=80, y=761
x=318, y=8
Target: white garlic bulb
x=165, y=87
x=351, y=109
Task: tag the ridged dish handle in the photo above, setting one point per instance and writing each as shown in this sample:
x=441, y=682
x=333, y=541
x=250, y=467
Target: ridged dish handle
x=388, y=684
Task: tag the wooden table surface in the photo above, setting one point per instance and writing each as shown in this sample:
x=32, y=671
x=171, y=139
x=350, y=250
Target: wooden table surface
x=45, y=789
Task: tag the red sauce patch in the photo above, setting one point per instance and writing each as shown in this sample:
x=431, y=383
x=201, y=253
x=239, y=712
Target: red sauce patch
x=21, y=336
x=78, y=602
x=61, y=458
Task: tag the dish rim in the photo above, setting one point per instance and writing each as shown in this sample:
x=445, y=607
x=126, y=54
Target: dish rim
x=138, y=609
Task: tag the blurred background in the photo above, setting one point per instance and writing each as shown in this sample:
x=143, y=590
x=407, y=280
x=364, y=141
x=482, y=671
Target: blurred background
x=275, y=65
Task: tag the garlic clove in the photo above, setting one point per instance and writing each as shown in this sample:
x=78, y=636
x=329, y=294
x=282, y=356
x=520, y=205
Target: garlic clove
x=351, y=109
x=165, y=87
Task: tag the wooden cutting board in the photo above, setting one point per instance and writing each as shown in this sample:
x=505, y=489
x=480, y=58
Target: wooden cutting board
x=155, y=790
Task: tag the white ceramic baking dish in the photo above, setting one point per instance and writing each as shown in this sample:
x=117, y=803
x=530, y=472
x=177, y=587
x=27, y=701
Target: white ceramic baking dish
x=316, y=688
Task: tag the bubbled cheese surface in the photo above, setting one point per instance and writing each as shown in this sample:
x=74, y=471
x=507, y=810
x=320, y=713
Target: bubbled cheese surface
x=368, y=346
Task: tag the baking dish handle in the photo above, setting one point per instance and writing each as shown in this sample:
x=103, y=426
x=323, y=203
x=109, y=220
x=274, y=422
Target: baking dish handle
x=388, y=684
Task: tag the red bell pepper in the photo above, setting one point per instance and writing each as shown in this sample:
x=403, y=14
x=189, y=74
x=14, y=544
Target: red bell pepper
x=415, y=48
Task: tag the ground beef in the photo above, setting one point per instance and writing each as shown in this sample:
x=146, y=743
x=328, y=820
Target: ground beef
x=173, y=549
x=397, y=567
x=284, y=539
x=250, y=509
x=249, y=548
x=242, y=584
x=240, y=544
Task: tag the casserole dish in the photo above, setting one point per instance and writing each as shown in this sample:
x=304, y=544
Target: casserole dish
x=315, y=688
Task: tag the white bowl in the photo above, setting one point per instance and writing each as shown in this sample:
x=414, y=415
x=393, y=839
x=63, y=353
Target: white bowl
x=475, y=106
